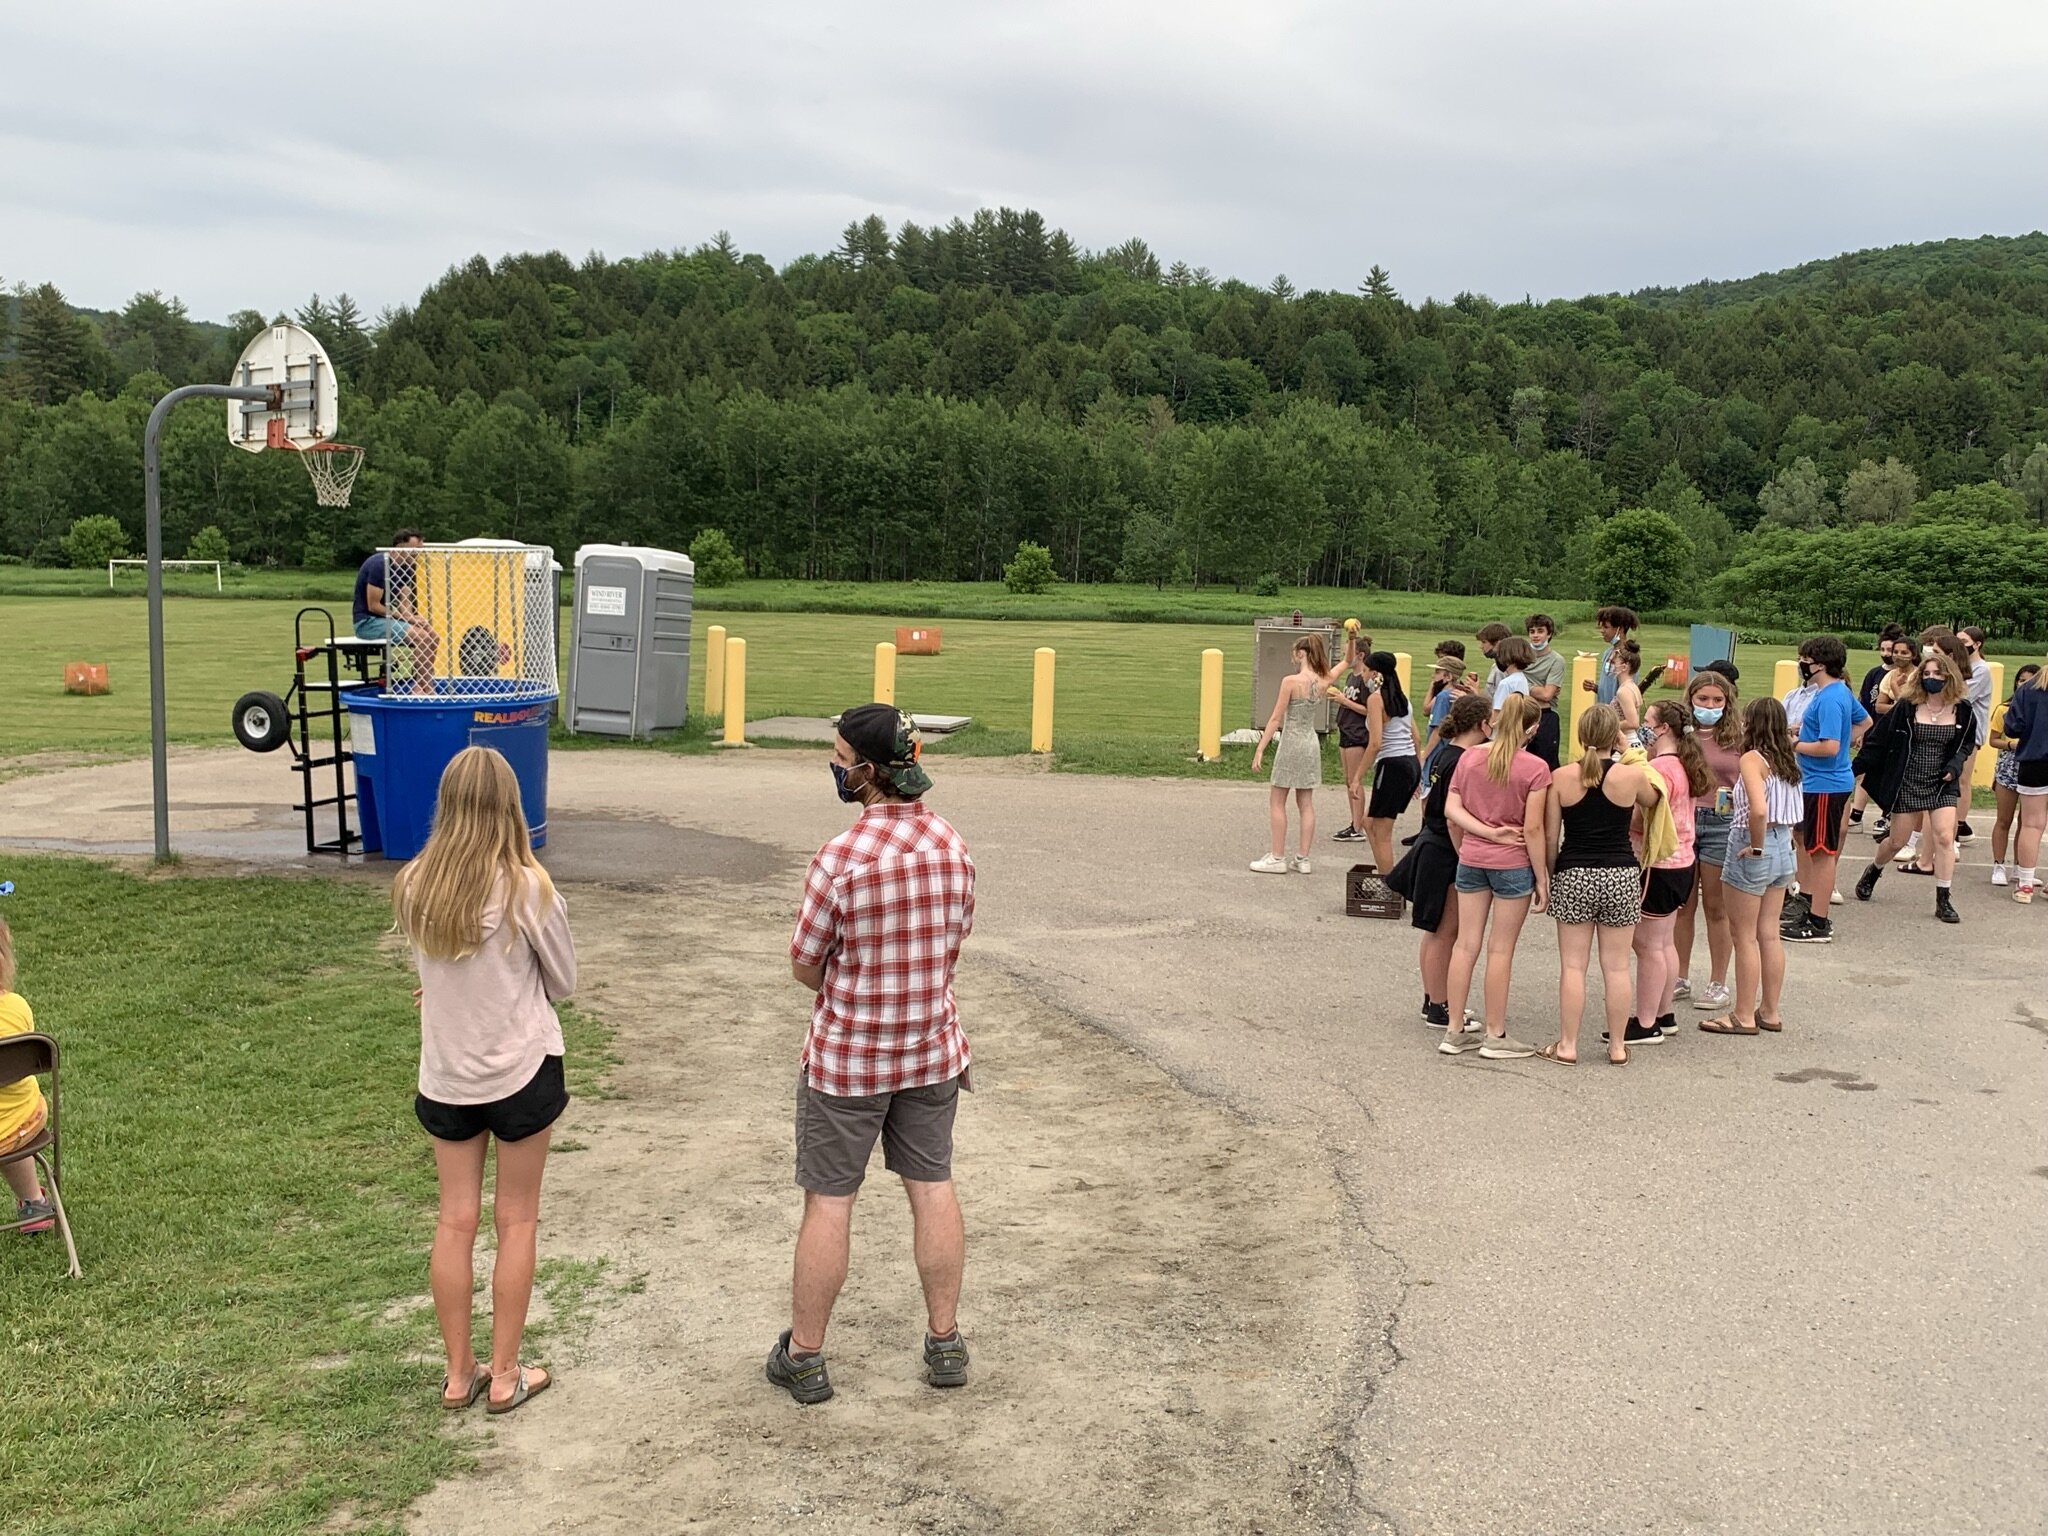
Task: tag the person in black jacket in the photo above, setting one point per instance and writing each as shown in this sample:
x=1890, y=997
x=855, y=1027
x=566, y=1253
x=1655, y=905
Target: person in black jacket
x=1913, y=761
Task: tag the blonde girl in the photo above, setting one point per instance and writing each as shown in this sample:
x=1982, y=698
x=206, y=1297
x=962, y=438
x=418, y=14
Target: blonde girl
x=1916, y=765
x=490, y=937
x=1298, y=760
x=22, y=1110
x=1497, y=799
x=1676, y=757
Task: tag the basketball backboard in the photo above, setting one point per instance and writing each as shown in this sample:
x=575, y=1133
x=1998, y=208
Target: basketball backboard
x=290, y=356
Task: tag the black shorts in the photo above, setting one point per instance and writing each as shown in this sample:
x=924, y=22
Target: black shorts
x=1667, y=890
x=1820, y=829
x=1544, y=742
x=518, y=1115
x=2033, y=774
x=1394, y=780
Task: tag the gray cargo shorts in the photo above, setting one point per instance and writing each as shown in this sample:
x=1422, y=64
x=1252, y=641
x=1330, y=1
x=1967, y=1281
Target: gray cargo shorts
x=834, y=1136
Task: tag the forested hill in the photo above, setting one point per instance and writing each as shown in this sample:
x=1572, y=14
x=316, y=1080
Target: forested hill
x=1937, y=268
x=916, y=402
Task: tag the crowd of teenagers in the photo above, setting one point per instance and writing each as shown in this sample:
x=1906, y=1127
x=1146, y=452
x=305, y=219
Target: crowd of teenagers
x=1702, y=809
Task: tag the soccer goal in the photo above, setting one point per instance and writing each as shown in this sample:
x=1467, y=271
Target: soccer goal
x=168, y=565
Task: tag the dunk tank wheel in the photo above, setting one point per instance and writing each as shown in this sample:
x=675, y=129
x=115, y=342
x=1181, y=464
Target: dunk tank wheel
x=262, y=723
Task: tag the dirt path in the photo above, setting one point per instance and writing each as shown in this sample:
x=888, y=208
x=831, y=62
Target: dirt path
x=1137, y=1259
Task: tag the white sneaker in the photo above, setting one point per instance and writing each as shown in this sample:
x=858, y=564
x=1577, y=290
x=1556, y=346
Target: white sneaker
x=1907, y=854
x=1838, y=896
x=1269, y=865
x=1710, y=997
x=1998, y=874
x=1681, y=988
x=1506, y=1048
x=1301, y=863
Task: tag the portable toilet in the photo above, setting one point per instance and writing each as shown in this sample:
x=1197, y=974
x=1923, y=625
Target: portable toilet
x=629, y=645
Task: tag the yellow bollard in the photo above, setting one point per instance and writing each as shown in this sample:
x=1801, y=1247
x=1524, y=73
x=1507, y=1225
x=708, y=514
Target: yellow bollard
x=1784, y=678
x=885, y=672
x=1209, y=737
x=1041, y=699
x=735, y=692
x=1403, y=664
x=1987, y=760
x=714, y=670
x=1585, y=669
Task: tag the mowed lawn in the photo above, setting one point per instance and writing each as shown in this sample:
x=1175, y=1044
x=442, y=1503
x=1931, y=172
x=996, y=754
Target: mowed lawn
x=1126, y=694
x=252, y=1201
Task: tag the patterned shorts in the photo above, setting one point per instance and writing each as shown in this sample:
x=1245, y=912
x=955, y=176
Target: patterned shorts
x=2006, y=775
x=1612, y=898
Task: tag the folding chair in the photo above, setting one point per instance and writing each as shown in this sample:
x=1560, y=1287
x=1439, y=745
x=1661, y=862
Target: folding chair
x=27, y=1056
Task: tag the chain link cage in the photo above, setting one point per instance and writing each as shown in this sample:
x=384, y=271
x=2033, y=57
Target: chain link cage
x=477, y=623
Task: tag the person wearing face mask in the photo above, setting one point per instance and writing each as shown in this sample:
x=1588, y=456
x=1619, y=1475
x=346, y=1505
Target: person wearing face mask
x=1547, y=675
x=1942, y=638
x=1914, y=764
x=1711, y=698
x=1829, y=729
x=886, y=906
x=1977, y=683
x=1873, y=698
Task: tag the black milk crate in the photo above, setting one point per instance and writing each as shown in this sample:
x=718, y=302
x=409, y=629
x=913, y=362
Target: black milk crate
x=1366, y=894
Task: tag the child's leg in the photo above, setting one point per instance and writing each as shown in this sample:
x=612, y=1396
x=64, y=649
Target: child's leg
x=21, y=1176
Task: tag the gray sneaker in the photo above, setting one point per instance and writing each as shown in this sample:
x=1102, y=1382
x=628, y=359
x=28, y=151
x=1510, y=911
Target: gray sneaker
x=805, y=1379
x=1503, y=1048
x=945, y=1360
x=1457, y=1043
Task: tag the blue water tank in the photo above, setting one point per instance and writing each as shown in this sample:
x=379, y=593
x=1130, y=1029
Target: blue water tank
x=402, y=742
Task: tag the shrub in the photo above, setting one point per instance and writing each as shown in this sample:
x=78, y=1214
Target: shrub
x=1031, y=571
x=718, y=563
x=1269, y=585
x=209, y=543
x=95, y=540
x=1641, y=559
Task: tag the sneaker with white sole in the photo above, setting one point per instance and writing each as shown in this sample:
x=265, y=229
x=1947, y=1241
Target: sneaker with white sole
x=1713, y=995
x=1301, y=864
x=1998, y=874
x=1838, y=896
x=1681, y=988
x=1504, y=1048
x=1269, y=866
x=1457, y=1043
x=1907, y=854
x=2024, y=895
x=1347, y=835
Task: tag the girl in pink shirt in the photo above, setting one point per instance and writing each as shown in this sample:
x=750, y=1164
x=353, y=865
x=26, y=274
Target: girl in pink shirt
x=490, y=936
x=1676, y=756
x=1497, y=799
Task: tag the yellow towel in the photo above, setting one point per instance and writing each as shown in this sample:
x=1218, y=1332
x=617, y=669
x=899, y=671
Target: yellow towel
x=1660, y=830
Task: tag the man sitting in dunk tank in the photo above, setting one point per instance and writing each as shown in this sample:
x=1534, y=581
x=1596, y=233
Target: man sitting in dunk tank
x=385, y=610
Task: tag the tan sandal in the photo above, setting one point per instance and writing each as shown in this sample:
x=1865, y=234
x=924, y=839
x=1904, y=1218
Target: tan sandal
x=1726, y=1025
x=479, y=1383
x=1550, y=1053
x=521, y=1392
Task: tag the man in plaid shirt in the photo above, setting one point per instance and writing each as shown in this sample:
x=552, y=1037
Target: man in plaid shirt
x=886, y=906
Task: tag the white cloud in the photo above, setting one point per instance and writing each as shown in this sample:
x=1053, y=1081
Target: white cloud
x=245, y=158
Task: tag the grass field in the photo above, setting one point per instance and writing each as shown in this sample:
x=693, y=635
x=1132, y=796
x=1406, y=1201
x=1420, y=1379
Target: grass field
x=251, y=1196
x=1126, y=694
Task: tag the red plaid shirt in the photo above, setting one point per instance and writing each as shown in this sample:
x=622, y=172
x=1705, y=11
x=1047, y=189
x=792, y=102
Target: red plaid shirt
x=887, y=904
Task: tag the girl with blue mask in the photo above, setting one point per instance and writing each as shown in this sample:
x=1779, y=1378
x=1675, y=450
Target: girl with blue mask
x=1712, y=699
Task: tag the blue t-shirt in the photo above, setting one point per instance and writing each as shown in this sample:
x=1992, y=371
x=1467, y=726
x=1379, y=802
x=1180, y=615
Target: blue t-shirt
x=1833, y=716
x=371, y=575
x=1440, y=707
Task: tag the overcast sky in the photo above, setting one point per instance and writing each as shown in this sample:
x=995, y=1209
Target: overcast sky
x=249, y=154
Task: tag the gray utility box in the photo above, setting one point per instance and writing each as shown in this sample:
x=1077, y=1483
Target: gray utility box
x=1273, y=659
x=629, y=647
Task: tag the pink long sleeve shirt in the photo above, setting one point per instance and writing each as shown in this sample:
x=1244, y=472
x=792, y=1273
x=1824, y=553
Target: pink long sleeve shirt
x=487, y=1021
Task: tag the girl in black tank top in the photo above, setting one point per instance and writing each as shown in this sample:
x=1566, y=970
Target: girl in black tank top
x=1596, y=830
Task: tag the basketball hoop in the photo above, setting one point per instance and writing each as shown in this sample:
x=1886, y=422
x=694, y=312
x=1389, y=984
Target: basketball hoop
x=332, y=468
x=299, y=413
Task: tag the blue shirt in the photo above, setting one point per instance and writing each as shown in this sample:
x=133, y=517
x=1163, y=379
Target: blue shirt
x=1833, y=716
x=1440, y=707
x=371, y=575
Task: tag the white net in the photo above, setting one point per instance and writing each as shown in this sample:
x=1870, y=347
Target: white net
x=332, y=467
x=471, y=622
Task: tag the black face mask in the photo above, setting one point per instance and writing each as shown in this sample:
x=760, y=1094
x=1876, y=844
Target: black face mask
x=846, y=792
x=1807, y=671
x=1933, y=685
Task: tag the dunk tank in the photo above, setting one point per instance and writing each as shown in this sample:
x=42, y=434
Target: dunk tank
x=469, y=662
x=466, y=655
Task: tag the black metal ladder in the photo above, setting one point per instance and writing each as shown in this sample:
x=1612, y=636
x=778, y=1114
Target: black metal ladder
x=366, y=659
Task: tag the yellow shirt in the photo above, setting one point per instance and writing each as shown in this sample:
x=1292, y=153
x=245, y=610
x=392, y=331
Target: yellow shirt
x=18, y=1101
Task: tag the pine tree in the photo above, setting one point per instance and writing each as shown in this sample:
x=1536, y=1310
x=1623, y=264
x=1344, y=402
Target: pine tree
x=1378, y=284
x=60, y=352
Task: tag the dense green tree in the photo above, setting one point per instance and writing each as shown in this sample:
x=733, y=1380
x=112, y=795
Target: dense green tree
x=59, y=352
x=1797, y=497
x=1641, y=558
x=95, y=540
x=1879, y=493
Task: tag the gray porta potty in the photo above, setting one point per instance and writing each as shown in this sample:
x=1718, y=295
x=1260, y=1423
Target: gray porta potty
x=629, y=648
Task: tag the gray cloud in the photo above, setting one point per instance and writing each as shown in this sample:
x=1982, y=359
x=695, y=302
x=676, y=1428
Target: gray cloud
x=247, y=158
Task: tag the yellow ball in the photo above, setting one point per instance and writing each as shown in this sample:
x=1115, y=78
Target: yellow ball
x=1353, y=625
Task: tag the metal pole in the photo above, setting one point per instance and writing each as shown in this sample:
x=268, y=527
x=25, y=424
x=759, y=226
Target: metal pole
x=159, y=770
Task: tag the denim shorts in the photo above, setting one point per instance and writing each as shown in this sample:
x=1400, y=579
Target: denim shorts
x=1755, y=876
x=1710, y=836
x=1507, y=884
